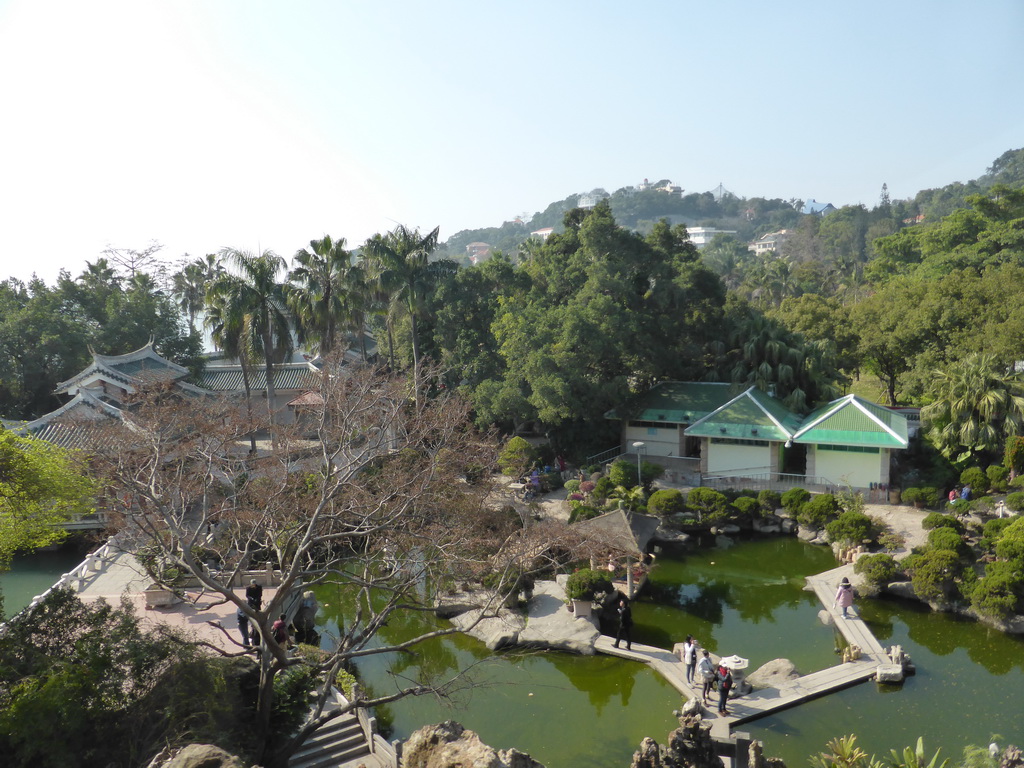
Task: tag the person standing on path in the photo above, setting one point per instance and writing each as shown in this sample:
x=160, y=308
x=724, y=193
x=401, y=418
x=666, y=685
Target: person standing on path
x=844, y=596
x=724, y=686
x=625, y=624
x=706, y=671
x=243, y=627
x=254, y=595
x=690, y=657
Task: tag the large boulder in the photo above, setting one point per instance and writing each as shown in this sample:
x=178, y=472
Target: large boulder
x=773, y=674
x=196, y=756
x=449, y=744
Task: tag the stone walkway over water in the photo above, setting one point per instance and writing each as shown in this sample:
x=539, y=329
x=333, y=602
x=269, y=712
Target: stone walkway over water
x=765, y=701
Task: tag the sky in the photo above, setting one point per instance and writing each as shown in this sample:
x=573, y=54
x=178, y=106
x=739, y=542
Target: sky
x=204, y=124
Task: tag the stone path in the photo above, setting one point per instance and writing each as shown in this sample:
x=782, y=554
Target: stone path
x=768, y=700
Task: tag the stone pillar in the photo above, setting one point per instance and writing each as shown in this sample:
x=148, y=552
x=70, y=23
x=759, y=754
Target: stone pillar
x=812, y=454
x=883, y=471
x=705, y=449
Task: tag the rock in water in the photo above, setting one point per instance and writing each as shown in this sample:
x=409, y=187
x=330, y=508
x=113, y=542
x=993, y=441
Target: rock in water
x=773, y=674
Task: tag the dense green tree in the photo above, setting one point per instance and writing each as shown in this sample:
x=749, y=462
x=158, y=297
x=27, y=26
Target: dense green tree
x=822, y=319
x=41, y=486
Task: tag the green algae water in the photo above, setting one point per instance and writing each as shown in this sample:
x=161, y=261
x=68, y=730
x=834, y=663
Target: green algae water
x=33, y=574
x=568, y=710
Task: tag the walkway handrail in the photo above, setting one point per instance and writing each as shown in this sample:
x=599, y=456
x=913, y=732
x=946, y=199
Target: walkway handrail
x=605, y=456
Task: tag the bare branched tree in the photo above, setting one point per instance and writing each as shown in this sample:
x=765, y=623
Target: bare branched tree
x=372, y=489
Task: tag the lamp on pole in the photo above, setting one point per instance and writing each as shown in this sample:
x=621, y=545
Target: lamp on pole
x=638, y=446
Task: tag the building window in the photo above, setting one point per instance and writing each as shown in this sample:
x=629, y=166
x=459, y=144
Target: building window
x=653, y=425
x=848, y=448
x=733, y=441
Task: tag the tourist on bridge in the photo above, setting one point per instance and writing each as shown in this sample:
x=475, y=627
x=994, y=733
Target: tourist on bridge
x=844, y=596
x=690, y=657
x=706, y=672
x=724, y=686
x=625, y=624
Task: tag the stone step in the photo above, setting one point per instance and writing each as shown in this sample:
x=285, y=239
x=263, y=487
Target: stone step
x=331, y=745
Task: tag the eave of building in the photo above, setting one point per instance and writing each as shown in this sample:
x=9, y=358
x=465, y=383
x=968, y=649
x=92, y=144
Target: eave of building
x=855, y=422
x=751, y=415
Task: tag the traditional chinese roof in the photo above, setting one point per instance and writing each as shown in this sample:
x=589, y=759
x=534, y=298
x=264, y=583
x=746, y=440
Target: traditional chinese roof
x=131, y=369
x=78, y=423
x=851, y=420
x=677, y=402
x=221, y=378
x=751, y=415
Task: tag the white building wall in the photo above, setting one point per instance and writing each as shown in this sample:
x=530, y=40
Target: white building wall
x=857, y=470
x=725, y=458
x=658, y=441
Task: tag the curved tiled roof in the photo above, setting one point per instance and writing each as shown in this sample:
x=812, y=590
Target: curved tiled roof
x=144, y=364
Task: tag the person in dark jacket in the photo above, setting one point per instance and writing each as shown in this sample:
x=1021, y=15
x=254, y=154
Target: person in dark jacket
x=625, y=624
x=254, y=595
x=724, y=686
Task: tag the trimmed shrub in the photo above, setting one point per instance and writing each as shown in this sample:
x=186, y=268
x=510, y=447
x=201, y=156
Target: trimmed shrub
x=911, y=495
x=586, y=583
x=851, y=527
x=934, y=576
x=977, y=479
x=877, y=570
x=960, y=507
x=999, y=592
x=947, y=539
x=516, y=457
x=939, y=520
x=1011, y=544
x=793, y=499
x=710, y=505
x=572, y=486
x=1015, y=501
x=666, y=502
x=623, y=472
x=819, y=511
x=998, y=476
x=769, y=501
x=1013, y=455
x=1017, y=482
x=992, y=531
x=747, y=506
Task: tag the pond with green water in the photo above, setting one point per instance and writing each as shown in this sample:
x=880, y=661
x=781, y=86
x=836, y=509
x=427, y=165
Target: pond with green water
x=31, y=575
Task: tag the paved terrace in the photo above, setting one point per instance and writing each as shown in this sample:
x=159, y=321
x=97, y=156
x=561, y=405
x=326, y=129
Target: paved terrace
x=201, y=615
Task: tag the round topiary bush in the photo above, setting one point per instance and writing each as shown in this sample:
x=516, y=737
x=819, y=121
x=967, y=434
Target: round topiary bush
x=1015, y=501
x=794, y=498
x=710, y=505
x=851, y=528
x=877, y=570
x=999, y=592
x=769, y=501
x=603, y=488
x=747, y=506
x=516, y=457
x=939, y=520
x=935, y=574
x=586, y=583
x=819, y=511
x=1011, y=544
x=623, y=473
x=947, y=539
x=666, y=502
x=998, y=477
x=572, y=486
x=977, y=479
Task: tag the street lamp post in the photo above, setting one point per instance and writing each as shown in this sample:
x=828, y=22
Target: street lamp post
x=638, y=446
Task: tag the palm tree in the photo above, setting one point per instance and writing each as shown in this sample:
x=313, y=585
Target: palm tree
x=402, y=268
x=251, y=306
x=326, y=293
x=978, y=403
x=190, y=284
x=232, y=331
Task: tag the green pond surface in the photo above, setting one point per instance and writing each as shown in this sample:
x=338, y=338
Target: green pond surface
x=33, y=574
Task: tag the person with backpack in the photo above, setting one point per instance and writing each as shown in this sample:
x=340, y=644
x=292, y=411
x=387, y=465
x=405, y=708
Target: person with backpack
x=706, y=671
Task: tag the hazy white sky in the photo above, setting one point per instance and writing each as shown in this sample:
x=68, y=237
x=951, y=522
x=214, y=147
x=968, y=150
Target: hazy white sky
x=263, y=125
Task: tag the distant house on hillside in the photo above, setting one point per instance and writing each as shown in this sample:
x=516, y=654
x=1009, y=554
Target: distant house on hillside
x=701, y=236
x=543, y=234
x=812, y=206
x=478, y=252
x=771, y=242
